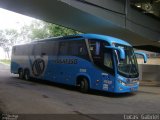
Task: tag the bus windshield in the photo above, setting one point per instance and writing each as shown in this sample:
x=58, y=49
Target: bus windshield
x=127, y=67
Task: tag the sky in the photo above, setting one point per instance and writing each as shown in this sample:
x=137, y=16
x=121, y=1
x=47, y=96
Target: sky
x=12, y=20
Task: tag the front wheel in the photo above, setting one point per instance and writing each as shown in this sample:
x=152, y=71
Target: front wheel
x=84, y=86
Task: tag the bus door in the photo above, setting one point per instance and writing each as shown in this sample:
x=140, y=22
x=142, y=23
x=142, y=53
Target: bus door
x=103, y=59
x=108, y=67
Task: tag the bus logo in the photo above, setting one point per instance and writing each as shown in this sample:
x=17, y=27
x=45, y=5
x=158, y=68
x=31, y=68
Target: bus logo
x=38, y=67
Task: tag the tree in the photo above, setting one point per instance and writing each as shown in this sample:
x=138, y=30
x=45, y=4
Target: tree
x=41, y=30
x=8, y=38
x=36, y=30
x=24, y=34
x=56, y=30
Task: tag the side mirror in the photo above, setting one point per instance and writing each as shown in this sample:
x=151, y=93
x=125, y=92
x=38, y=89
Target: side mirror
x=142, y=54
x=121, y=51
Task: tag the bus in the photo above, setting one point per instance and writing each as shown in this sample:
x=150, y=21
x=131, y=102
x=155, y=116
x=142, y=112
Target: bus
x=88, y=61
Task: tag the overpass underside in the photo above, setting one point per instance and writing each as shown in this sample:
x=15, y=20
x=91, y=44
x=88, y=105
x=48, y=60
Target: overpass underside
x=136, y=21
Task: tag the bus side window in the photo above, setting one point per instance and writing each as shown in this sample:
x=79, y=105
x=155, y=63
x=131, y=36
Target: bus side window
x=95, y=47
x=63, y=48
x=46, y=49
x=50, y=48
x=55, y=48
x=78, y=48
x=19, y=50
x=29, y=49
x=37, y=49
x=82, y=50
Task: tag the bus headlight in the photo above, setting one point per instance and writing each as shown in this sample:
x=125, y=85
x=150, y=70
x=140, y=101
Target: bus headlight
x=122, y=83
x=136, y=81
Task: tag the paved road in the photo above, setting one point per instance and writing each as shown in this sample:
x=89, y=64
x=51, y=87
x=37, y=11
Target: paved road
x=30, y=97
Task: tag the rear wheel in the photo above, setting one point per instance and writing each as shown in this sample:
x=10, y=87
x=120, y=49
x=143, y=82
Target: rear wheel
x=26, y=75
x=20, y=74
x=84, y=86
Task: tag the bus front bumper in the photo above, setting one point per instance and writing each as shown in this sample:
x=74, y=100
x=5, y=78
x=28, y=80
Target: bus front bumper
x=124, y=88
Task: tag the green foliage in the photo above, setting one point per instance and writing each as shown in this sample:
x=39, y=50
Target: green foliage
x=56, y=30
x=40, y=30
x=36, y=30
x=7, y=39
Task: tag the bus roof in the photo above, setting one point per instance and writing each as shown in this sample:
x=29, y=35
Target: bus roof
x=106, y=38
x=109, y=39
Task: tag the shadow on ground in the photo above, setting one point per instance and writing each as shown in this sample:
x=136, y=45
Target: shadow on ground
x=73, y=88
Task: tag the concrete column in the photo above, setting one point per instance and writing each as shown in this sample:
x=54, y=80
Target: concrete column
x=140, y=71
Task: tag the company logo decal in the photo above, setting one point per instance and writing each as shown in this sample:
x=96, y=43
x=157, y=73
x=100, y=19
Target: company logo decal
x=38, y=67
x=66, y=61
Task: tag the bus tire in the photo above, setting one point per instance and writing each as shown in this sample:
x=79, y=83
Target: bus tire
x=26, y=75
x=84, y=86
x=20, y=73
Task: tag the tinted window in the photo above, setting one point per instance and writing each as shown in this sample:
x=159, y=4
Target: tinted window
x=27, y=49
x=77, y=48
x=94, y=47
x=20, y=50
x=30, y=49
x=50, y=48
x=37, y=49
x=102, y=57
x=73, y=48
x=63, y=48
x=108, y=60
x=55, y=48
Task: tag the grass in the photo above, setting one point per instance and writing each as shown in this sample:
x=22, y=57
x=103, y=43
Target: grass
x=6, y=61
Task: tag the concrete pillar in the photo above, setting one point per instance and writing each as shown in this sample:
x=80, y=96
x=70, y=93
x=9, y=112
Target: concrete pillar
x=140, y=71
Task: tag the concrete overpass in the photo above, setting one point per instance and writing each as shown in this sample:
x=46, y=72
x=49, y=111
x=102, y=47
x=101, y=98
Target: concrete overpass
x=131, y=20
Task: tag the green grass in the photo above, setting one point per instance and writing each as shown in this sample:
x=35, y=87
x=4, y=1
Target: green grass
x=6, y=61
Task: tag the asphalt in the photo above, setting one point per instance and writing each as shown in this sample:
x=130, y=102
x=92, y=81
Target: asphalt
x=39, y=97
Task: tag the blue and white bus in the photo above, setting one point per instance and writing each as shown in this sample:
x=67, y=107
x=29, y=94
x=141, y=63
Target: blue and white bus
x=88, y=61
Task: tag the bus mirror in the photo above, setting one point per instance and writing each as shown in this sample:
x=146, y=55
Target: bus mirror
x=121, y=51
x=142, y=54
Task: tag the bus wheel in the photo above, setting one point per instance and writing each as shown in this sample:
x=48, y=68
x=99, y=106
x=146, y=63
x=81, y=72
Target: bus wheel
x=84, y=86
x=26, y=75
x=20, y=73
